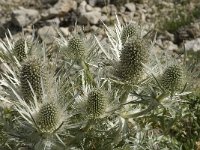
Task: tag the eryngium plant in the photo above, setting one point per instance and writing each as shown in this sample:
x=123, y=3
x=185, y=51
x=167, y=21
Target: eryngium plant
x=172, y=78
x=76, y=48
x=133, y=55
x=31, y=76
x=129, y=31
x=85, y=107
x=21, y=48
x=47, y=118
x=96, y=103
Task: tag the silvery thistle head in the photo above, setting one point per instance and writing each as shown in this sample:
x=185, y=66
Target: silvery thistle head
x=21, y=48
x=172, y=78
x=31, y=74
x=77, y=47
x=133, y=55
x=129, y=31
x=126, y=52
x=15, y=50
x=93, y=103
x=170, y=75
x=96, y=103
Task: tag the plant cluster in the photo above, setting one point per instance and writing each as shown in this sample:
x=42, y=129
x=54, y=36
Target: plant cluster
x=95, y=95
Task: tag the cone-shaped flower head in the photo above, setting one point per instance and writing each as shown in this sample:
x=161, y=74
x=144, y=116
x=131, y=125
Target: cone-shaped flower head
x=172, y=78
x=31, y=75
x=47, y=118
x=133, y=55
x=20, y=48
x=129, y=31
x=76, y=48
x=96, y=103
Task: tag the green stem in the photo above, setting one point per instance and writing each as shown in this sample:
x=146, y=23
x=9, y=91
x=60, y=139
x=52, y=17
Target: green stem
x=89, y=76
x=124, y=96
x=162, y=96
x=151, y=107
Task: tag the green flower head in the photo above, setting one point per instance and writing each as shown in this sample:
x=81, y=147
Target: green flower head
x=172, y=78
x=133, y=55
x=129, y=31
x=20, y=49
x=48, y=117
x=30, y=76
x=96, y=103
x=76, y=48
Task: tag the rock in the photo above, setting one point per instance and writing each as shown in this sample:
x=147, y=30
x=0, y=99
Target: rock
x=127, y=17
x=92, y=17
x=47, y=34
x=49, y=1
x=110, y=9
x=169, y=45
x=54, y=21
x=65, y=31
x=100, y=3
x=130, y=7
x=94, y=28
x=188, y=32
x=88, y=8
x=23, y=17
x=97, y=9
x=92, y=2
x=122, y=9
x=192, y=45
x=69, y=19
x=82, y=7
x=79, y=1
x=62, y=7
x=166, y=36
x=104, y=18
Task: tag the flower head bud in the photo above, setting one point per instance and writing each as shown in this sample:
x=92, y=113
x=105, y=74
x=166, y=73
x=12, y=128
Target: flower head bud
x=96, y=103
x=172, y=78
x=129, y=31
x=133, y=55
x=20, y=49
x=31, y=74
x=47, y=118
x=76, y=47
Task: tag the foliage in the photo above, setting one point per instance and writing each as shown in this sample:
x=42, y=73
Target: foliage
x=84, y=101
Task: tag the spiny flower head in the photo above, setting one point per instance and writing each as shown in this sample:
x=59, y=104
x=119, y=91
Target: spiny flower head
x=30, y=77
x=20, y=49
x=48, y=117
x=76, y=47
x=172, y=78
x=129, y=31
x=96, y=103
x=133, y=55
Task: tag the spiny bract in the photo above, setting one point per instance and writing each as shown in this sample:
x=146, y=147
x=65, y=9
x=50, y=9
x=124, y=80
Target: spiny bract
x=133, y=55
x=76, y=47
x=19, y=49
x=47, y=117
x=31, y=72
x=129, y=31
x=96, y=103
x=172, y=78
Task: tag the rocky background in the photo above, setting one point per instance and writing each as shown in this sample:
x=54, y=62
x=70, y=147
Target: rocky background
x=177, y=22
